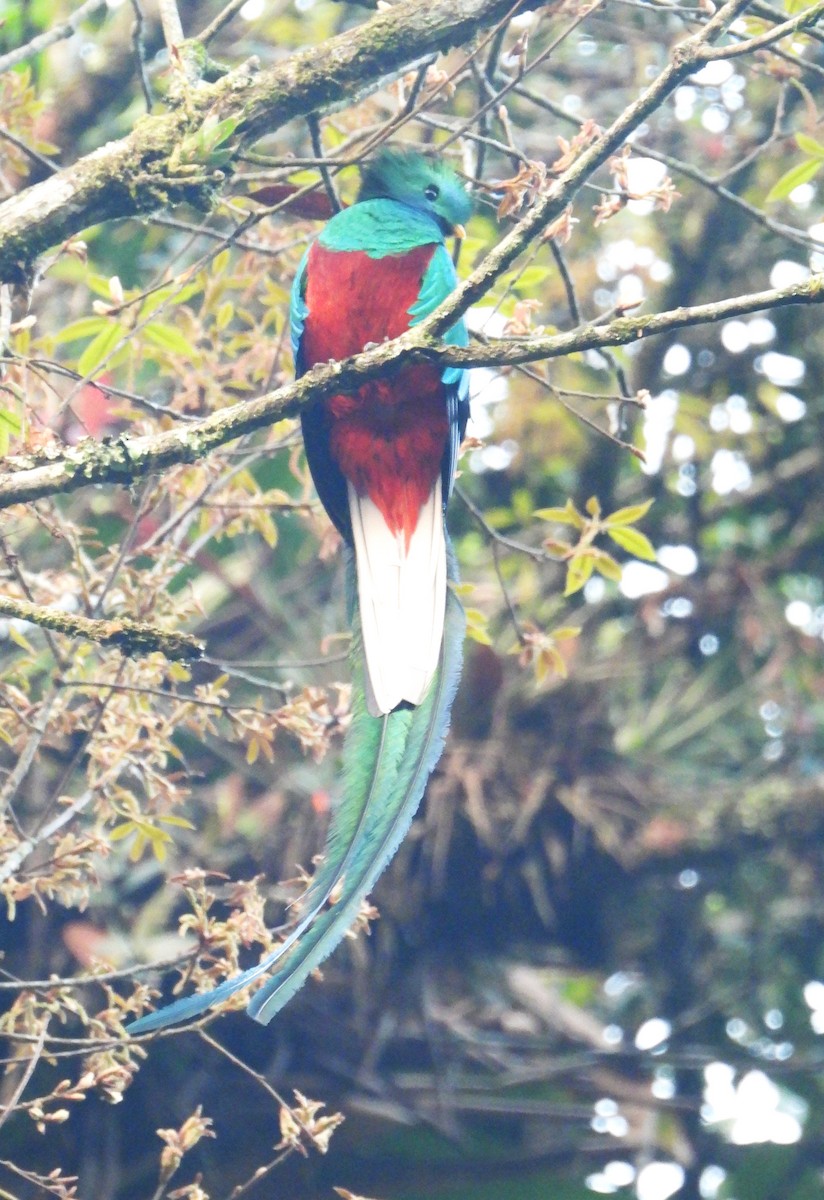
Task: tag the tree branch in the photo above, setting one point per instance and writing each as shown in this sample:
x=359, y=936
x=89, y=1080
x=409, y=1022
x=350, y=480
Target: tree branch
x=132, y=637
x=147, y=170
x=123, y=459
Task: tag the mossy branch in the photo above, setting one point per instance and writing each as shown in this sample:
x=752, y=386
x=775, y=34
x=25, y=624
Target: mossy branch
x=133, y=638
x=125, y=459
x=143, y=171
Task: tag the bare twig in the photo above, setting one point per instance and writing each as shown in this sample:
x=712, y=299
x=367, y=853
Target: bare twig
x=223, y=18
x=18, y=856
x=31, y=1063
x=140, y=53
x=56, y=34
x=77, y=981
x=29, y=151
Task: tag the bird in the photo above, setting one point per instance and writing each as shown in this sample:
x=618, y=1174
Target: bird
x=383, y=459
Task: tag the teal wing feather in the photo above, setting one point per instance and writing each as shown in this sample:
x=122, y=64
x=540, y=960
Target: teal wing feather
x=298, y=312
x=438, y=281
x=387, y=761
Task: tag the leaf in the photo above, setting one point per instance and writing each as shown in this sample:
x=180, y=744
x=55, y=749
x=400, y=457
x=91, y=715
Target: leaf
x=167, y=337
x=179, y=822
x=10, y=425
x=268, y=529
x=547, y=662
x=810, y=146
x=531, y=279
x=803, y=172
x=138, y=846
x=476, y=626
x=178, y=672
x=19, y=640
x=215, y=133
x=593, y=506
x=578, y=572
x=565, y=632
x=628, y=515
x=633, y=541
x=100, y=348
x=85, y=327
x=224, y=315
x=606, y=565
x=122, y=830
x=252, y=751
x=568, y=515
x=174, y=294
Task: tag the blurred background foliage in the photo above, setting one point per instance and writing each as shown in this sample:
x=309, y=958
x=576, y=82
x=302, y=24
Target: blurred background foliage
x=599, y=965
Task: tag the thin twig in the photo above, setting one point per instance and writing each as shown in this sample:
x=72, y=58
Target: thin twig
x=78, y=981
x=19, y=855
x=56, y=34
x=223, y=18
x=138, y=30
x=7, y=1109
x=29, y=151
x=317, y=145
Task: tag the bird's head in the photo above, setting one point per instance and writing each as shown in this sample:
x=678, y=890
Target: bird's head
x=423, y=183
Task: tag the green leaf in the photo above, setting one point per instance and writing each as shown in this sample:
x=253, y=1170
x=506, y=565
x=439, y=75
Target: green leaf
x=173, y=295
x=10, y=426
x=633, y=541
x=801, y=173
x=167, y=337
x=19, y=640
x=100, y=348
x=565, y=632
x=85, y=327
x=628, y=515
x=220, y=132
x=180, y=822
x=122, y=830
x=568, y=515
x=578, y=572
x=810, y=146
x=531, y=279
x=476, y=626
x=606, y=565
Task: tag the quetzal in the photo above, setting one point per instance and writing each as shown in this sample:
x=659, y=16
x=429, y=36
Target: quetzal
x=383, y=462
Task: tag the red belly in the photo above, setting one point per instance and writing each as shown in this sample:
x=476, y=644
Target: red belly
x=388, y=437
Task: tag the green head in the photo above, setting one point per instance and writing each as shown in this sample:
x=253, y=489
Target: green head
x=425, y=184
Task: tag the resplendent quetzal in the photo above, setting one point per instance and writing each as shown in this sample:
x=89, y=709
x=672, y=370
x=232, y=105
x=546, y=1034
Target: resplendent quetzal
x=383, y=461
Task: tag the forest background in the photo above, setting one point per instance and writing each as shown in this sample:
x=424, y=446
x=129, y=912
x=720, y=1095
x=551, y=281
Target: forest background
x=598, y=966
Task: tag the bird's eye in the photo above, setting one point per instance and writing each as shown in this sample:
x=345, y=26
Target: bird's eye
x=432, y=191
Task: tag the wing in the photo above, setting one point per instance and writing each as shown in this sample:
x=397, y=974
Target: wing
x=438, y=281
x=329, y=480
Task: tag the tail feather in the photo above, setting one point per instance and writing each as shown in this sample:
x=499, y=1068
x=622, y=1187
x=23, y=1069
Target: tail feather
x=423, y=730
x=401, y=597
x=387, y=761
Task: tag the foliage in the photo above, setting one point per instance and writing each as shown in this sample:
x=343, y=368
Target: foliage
x=599, y=964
